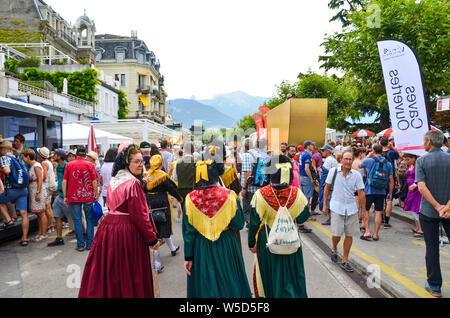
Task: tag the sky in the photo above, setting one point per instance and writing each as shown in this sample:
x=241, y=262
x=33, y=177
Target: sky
x=210, y=47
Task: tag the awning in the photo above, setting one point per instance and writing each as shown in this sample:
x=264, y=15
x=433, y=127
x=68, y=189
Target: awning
x=76, y=134
x=22, y=107
x=144, y=100
x=145, y=74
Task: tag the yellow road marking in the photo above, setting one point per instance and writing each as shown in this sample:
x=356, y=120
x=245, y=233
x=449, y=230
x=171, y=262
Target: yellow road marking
x=50, y=237
x=423, y=244
x=386, y=269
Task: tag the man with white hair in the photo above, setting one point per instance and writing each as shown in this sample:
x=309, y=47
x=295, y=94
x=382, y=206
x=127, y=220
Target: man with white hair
x=433, y=180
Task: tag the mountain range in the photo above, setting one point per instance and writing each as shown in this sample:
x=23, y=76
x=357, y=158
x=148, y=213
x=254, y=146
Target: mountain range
x=222, y=111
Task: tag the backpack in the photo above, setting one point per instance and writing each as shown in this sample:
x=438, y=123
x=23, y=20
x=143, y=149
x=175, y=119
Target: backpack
x=379, y=174
x=258, y=178
x=283, y=238
x=18, y=178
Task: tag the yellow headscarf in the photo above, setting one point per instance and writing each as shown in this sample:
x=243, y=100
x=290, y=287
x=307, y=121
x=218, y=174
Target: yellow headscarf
x=157, y=175
x=155, y=163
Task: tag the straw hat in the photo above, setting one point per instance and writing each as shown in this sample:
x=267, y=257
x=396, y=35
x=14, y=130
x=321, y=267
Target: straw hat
x=93, y=155
x=44, y=152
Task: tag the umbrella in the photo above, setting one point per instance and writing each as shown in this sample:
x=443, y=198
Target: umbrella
x=387, y=132
x=363, y=133
x=92, y=141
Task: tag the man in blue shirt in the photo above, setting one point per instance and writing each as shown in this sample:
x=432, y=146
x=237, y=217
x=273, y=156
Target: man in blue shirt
x=374, y=195
x=391, y=155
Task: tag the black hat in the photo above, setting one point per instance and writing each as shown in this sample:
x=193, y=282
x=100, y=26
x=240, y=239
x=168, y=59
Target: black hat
x=81, y=152
x=61, y=153
x=145, y=146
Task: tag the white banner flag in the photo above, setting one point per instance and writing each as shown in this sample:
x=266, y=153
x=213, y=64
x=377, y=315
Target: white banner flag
x=405, y=93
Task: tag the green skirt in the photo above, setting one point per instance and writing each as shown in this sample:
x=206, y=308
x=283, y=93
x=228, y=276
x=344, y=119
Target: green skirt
x=218, y=269
x=283, y=276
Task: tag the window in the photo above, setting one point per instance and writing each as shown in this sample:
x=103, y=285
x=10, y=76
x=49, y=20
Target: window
x=115, y=106
x=107, y=104
x=120, y=57
x=122, y=79
x=141, y=82
x=54, y=139
x=141, y=106
x=98, y=58
x=141, y=58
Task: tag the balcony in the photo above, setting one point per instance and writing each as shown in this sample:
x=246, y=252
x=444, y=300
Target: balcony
x=156, y=93
x=66, y=37
x=143, y=90
x=45, y=97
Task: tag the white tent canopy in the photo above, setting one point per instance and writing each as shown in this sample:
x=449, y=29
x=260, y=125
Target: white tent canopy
x=75, y=134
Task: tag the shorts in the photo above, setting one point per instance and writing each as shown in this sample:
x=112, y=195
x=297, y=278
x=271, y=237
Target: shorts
x=60, y=210
x=307, y=187
x=376, y=199
x=344, y=225
x=18, y=195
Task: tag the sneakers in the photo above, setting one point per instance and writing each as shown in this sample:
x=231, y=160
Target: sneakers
x=159, y=269
x=80, y=248
x=327, y=222
x=346, y=266
x=435, y=291
x=304, y=229
x=334, y=257
x=387, y=226
x=176, y=250
x=56, y=242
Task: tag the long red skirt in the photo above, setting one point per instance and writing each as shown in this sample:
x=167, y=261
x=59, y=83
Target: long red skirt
x=118, y=265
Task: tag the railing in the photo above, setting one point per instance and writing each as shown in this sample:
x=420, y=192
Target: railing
x=36, y=91
x=80, y=103
x=66, y=37
x=46, y=84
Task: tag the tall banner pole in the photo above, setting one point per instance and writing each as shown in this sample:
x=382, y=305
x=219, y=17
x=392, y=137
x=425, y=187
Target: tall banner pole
x=259, y=125
x=406, y=95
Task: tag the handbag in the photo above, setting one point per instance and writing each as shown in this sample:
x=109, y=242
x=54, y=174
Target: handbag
x=159, y=215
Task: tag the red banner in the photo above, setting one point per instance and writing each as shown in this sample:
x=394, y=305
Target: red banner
x=264, y=110
x=259, y=124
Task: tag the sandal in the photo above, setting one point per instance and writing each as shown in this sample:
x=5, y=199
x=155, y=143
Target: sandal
x=418, y=234
x=8, y=224
x=365, y=238
x=375, y=239
x=412, y=231
x=24, y=243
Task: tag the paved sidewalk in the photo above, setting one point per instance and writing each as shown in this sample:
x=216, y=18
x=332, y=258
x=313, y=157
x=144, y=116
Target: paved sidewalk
x=399, y=255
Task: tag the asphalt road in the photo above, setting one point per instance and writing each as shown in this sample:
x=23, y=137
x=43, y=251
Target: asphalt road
x=38, y=271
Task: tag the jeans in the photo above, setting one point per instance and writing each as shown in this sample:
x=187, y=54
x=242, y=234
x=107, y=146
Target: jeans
x=246, y=207
x=76, y=214
x=430, y=227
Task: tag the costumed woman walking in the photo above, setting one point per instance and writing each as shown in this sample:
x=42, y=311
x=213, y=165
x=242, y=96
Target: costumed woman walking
x=213, y=258
x=277, y=276
x=158, y=186
x=118, y=265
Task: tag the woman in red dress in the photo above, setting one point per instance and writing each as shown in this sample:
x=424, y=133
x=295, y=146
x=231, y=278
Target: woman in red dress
x=118, y=265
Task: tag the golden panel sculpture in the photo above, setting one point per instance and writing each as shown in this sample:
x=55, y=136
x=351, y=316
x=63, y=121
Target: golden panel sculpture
x=298, y=120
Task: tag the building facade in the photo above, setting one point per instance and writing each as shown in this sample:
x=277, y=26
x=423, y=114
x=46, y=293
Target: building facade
x=59, y=40
x=129, y=61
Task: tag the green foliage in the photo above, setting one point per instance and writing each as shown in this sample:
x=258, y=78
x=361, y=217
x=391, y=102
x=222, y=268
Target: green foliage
x=424, y=25
x=11, y=65
x=80, y=84
x=123, y=105
x=246, y=123
x=30, y=61
x=16, y=31
x=83, y=61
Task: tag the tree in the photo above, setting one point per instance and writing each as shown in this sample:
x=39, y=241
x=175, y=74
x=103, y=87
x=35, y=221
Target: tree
x=422, y=24
x=247, y=123
x=123, y=105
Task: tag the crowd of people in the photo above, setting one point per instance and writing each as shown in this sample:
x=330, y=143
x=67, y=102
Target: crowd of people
x=218, y=190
